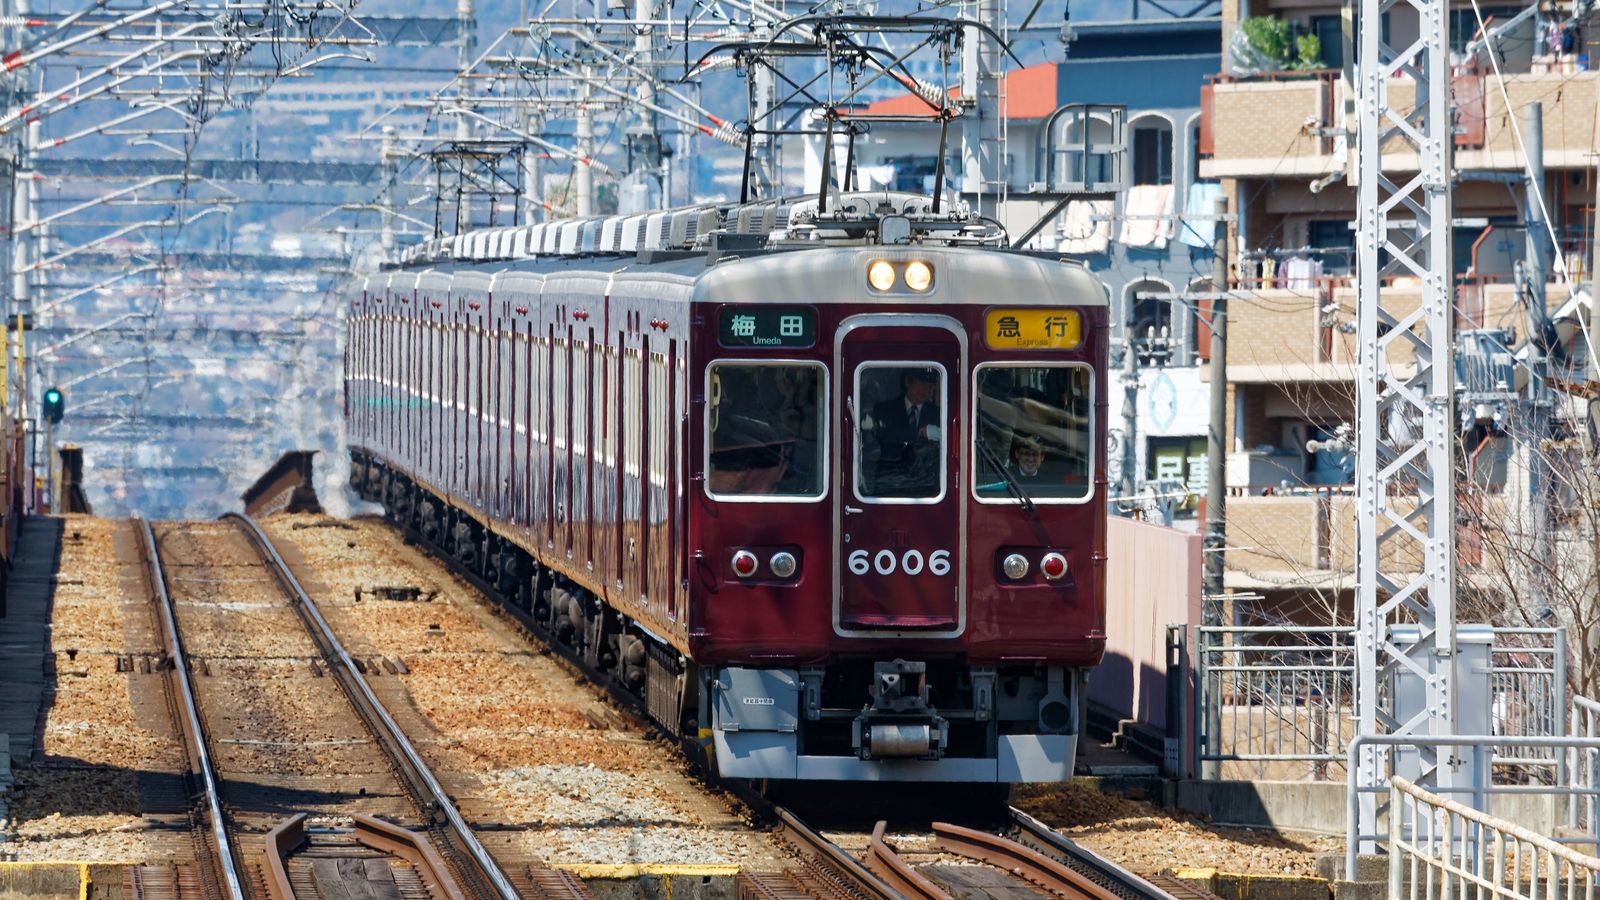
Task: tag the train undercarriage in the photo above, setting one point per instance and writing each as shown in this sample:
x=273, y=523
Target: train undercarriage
x=865, y=719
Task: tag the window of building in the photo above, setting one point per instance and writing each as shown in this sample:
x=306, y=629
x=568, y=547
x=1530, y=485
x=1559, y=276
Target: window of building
x=1152, y=152
x=916, y=173
x=1334, y=242
x=1330, y=33
x=1149, y=317
x=1464, y=23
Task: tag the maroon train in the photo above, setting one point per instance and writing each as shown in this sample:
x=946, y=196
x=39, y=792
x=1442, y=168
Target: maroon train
x=825, y=488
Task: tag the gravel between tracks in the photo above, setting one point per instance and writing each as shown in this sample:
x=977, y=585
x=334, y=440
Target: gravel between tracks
x=550, y=753
x=82, y=801
x=1149, y=839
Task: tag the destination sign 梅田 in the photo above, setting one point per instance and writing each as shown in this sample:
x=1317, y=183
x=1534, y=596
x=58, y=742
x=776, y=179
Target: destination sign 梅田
x=767, y=326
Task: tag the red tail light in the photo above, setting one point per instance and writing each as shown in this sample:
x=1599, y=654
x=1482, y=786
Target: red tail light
x=1053, y=566
x=744, y=563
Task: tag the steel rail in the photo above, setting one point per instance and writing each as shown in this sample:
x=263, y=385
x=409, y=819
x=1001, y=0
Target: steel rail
x=883, y=860
x=1054, y=877
x=411, y=846
x=463, y=832
x=1117, y=880
x=191, y=715
x=280, y=842
x=839, y=867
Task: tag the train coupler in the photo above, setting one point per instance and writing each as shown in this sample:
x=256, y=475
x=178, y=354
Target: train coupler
x=900, y=723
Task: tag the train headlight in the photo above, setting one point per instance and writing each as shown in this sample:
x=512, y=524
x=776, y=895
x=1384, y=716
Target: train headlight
x=919, y=276
x=1015, y=566
x=1053, y=566
x=745, y=563
x=783, y=564
x=881, y=274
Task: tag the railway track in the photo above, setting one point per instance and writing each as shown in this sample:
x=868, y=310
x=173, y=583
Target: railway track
x=953, y=863
x=245, y=717
x=1039, y=861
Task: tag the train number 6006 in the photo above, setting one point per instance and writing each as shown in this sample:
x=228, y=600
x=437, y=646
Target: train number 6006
x=884, y=562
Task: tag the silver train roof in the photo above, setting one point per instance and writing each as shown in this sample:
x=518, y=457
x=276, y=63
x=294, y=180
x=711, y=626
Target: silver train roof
x=849, y=217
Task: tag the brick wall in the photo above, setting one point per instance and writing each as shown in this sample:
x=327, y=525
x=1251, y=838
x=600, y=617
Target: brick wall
x=1259, y=126
x=1272, y=327
x=1264, y=119
x=1272, y=534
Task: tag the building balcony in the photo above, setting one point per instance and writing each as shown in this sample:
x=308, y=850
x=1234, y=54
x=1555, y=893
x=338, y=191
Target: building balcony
x=1306, y=334
x=1283, y=126
x=1305, y=539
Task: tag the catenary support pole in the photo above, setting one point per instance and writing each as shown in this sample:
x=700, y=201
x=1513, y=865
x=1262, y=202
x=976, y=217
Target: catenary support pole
x=1216, y=466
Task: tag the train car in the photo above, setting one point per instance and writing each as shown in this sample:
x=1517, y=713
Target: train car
x=824, y=486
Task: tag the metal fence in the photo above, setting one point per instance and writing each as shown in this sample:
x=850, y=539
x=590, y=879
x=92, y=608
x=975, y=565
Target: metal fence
x=1278, y=702
x=1583, y=767
x=1275, y=702
x=1439, y=848
x=1543, y=806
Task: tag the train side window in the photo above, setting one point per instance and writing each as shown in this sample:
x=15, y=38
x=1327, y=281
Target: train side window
x=1033, y=432
x=900, y=452
x=766, y=431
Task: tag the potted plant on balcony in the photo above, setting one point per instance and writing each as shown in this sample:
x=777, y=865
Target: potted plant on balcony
x=1265, y=44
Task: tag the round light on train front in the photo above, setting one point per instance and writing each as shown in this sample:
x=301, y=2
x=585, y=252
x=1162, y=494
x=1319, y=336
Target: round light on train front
x=745, y=563
x=783, y=564
x=1053, y=566
x=880, y=274
x=919, y=276
x=1015, y=566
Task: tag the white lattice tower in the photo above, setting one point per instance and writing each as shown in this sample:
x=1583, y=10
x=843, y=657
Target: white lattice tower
x=1406, y=437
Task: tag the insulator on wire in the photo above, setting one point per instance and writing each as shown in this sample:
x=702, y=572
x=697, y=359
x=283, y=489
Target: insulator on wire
x=726, y=133
x=930, y=92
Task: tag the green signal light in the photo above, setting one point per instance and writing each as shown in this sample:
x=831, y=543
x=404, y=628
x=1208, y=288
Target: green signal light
x=53, y=396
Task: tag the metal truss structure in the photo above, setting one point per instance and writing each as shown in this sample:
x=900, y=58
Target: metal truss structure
x=1405, y=561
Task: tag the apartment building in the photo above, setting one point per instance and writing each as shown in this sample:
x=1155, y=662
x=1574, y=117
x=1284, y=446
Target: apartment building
x=1273, y=132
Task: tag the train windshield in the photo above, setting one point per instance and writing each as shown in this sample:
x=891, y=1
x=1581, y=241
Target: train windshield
x=901, y=451
x=1035, y=432
x=765, y=423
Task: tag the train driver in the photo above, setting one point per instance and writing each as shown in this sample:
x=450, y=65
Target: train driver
x=907, y=432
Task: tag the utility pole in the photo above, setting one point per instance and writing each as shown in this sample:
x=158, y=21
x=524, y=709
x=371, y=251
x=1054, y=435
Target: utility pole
x=466, y=19
x=983, y=130
x=386, y=158
x=1216, y=433
x=1130, y=410
x=583, y=173
x=1536, y=263
x=1216, y=464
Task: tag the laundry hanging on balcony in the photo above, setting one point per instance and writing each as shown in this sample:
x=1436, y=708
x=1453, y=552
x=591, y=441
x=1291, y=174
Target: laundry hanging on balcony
x=1199, y=229
x=1147, y=216
x=1085, y=228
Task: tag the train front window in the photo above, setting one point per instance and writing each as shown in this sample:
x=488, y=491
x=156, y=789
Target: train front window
x=1034, y=433
x=765, y=430
x=900, y=453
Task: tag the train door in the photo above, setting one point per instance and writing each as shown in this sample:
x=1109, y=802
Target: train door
x=900, y=531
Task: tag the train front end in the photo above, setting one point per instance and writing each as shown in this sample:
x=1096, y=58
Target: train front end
x=897, y=510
